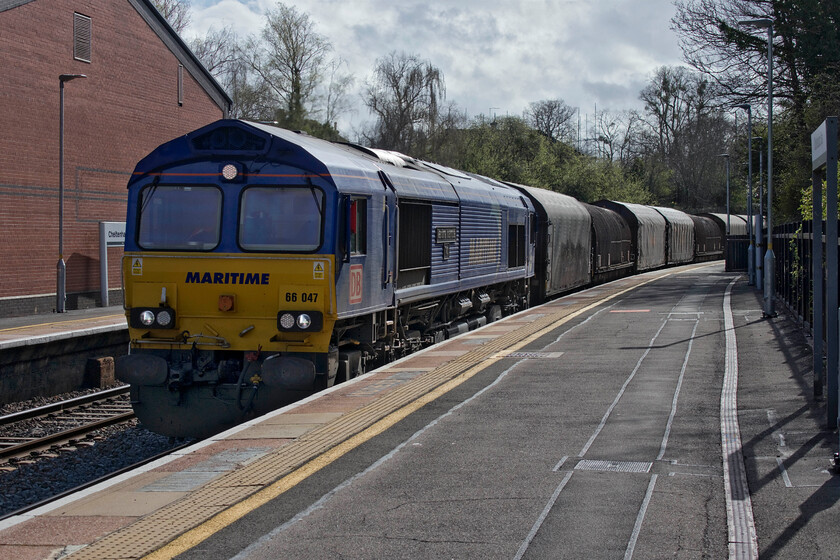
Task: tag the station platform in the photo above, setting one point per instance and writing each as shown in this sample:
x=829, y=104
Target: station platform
x=39, y=329
x=656, y=416
x=50, y=354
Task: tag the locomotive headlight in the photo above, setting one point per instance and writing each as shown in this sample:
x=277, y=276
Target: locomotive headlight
x=287, y=320
x=164, y=318
x=152, y=318
x=300, y=321
x=303, y=321
x=147, y=318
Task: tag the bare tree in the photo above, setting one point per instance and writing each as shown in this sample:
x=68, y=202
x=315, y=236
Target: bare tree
x=176, y=13
x=218, y=50
x=806, y=63
x=335, y=97
x=685, y=129
x=290, y=59
x=805, y=46
x=616, y=134
x=551, y=117
x=221, y=53
x=404, y=96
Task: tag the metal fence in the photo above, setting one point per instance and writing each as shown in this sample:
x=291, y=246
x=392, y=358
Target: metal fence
x=736, y=252
x=792, y=245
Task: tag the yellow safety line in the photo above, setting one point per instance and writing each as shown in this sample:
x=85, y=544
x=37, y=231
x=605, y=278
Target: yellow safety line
x=221, y=520
x=61, y=322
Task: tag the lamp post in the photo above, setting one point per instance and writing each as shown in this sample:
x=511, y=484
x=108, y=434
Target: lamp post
x=751, y=248
x=769, y=256
x=727, y=195
x=61, y=269
x=759, y=221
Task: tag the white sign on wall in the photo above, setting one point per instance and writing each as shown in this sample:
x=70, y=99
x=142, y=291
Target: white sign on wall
x=113, y=233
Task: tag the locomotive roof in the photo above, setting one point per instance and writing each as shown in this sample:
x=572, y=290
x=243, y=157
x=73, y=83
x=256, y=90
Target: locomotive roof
x=349, y=167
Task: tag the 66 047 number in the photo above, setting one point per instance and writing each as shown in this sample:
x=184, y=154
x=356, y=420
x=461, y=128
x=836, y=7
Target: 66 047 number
x=303, y=297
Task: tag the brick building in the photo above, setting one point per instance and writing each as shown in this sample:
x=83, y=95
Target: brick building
x=143, y=87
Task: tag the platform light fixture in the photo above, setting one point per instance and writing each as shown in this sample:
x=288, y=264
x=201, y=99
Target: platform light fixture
x=759, y=219
x=61, y=268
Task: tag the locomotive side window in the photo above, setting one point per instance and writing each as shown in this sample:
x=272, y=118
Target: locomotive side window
x=180, y=218
x=281, y=219
x=358, y=226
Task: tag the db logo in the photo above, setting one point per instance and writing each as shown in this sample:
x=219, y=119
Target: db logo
x=355, y=284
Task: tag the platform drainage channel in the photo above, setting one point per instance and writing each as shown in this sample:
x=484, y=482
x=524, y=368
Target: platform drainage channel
x=529, y=355
x=614, y=466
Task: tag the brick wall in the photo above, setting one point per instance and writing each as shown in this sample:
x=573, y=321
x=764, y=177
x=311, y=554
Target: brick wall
x=126, y=107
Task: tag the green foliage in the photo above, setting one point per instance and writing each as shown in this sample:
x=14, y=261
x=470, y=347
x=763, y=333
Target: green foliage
x=589, y=179
x=510, y=150
x=806, y=202
x=806, y=50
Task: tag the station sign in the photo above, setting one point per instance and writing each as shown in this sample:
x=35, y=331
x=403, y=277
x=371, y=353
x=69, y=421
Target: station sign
x=819, y=147
x=113, y=233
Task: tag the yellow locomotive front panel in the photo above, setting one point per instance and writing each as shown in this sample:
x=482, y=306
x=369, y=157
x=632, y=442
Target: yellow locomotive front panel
x=232, y=302
x=219, y=338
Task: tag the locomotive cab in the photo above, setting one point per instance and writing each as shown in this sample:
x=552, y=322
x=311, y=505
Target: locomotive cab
x=229, y=279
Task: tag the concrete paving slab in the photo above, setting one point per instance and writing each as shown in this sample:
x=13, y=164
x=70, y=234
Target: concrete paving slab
x=302, y=418
x=92, y=501
x=121, y=504
x=59, y=531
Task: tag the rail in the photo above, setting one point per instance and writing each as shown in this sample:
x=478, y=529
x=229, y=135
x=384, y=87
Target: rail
x=66, y=420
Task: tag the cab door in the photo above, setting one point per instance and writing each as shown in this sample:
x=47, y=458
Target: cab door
x=388, y=239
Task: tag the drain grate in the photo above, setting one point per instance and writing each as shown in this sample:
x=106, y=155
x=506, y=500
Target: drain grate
x=529, y=355
x=614, y=466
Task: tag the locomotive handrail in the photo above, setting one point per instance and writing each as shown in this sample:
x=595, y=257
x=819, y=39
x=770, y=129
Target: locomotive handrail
x=219, y=341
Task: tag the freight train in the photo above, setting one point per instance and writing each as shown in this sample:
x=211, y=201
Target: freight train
x=262, y=265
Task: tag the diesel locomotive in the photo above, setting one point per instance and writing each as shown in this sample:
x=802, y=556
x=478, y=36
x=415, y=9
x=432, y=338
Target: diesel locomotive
x=262, y=265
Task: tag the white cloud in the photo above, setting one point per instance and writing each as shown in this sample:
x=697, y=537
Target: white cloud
x=493, y=53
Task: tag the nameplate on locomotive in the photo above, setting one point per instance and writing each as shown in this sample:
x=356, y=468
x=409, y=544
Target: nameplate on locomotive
x=446, y=235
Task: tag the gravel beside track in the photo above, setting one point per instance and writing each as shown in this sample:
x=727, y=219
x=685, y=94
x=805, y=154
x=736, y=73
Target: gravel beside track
x=43, y=476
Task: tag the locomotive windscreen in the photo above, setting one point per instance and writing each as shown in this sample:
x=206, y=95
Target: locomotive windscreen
x=280, y=219
x=180, y=218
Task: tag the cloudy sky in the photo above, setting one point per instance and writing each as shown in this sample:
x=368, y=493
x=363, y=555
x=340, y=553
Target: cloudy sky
x=497, y=56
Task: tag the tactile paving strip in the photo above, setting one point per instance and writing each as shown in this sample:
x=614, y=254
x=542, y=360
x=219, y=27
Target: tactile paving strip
x=161, y=527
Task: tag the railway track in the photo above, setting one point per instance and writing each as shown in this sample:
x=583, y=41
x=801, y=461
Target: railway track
x=59, y=424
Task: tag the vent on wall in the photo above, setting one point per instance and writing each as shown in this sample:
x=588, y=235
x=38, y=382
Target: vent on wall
x=180, y=84
x=81, y=37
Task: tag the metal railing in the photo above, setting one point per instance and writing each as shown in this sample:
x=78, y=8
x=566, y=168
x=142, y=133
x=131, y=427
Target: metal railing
x=794, y=278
